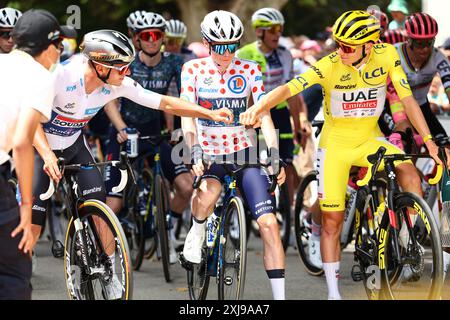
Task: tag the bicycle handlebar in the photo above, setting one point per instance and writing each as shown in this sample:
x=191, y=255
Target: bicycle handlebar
x=122, y=165
x=376, y=158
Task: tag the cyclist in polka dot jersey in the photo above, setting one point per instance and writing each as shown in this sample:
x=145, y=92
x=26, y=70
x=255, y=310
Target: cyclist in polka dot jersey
x=224, y=80
x=214, y=90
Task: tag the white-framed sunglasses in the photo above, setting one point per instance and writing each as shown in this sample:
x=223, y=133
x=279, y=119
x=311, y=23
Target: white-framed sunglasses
x=122, y=69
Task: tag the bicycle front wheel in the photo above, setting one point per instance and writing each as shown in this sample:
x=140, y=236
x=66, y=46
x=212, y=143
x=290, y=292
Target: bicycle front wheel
x=96, y=256
x=232, y=254
x=162, y=207
x=306, y=198
x=413, y=271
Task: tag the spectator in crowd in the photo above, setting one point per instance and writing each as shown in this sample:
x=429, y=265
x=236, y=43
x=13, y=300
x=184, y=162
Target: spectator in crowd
x=399, y=12
x=37, y=36
x=437, y=97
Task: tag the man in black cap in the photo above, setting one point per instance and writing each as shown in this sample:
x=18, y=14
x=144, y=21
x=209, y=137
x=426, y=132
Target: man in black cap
x=27, y=91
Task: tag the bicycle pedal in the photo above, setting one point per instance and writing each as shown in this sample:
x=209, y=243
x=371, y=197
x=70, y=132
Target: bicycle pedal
x=184, y=263
x=57, y=249
x=357, y=274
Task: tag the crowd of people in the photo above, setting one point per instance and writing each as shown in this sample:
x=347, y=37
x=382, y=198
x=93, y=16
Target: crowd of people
x=152, y=81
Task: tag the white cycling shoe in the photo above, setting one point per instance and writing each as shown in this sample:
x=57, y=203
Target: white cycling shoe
x=192, y=250
x=114, y=289
x=315, y=257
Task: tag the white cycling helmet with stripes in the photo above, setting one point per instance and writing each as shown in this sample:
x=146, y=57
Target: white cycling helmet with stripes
x=222, y=26
x=141, y=20
x=135, y=20
x=267, y=17
x=176, y=29
x=9, y=17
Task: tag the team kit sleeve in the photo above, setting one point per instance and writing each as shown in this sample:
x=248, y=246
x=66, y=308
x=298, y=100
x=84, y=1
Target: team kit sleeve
x=134, y=91
x=397, y=74
x=316, y=74
x=443, y=67
x=187, y=91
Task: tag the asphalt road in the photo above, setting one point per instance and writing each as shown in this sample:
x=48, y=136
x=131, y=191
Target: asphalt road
x=149, y=284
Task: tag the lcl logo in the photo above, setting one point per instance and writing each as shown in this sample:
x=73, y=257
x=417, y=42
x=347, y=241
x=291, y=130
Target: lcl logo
x=370, y=76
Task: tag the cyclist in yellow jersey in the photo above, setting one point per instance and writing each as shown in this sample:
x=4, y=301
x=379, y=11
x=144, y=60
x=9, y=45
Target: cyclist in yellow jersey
x=354, y=87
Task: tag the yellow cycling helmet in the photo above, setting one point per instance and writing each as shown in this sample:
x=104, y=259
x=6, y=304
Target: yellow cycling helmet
x=356, y=28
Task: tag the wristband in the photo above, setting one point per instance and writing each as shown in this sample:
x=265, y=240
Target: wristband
x=196, y=153
x=427, y=138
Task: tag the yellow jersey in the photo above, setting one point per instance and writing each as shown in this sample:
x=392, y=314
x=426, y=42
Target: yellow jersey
x=354, y=98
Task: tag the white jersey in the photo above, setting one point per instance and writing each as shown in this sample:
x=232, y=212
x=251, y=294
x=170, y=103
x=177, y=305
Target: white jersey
x=201, y=83
x=24, y=83
x=73, y=107
x=420, y=80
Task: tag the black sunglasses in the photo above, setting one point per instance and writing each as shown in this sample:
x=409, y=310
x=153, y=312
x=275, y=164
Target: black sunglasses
x=58, y=44
x=6, y=34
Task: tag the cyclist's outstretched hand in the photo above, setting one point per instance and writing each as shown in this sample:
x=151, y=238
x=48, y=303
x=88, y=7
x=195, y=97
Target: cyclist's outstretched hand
x=281, y=176
x=222, y=115
x=51, y=167
x=250, y=117
x=27, y=242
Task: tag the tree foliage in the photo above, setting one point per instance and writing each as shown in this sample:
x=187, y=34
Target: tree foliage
x=302, y=16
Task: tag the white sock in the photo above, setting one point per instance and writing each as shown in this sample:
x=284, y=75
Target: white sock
x=199, y=228
x=332, y=275
x=404, y=234
x=277, y=288
x=113, y=262
x=276, y=277
x=174, y=221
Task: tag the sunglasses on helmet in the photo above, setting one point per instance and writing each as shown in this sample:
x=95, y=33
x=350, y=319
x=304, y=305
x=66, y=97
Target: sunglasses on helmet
x=221, y=48
x=121, y=69
x=146, y=35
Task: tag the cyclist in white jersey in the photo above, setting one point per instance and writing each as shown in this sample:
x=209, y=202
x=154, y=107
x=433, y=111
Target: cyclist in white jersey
x=8, y=19
x=215, y=81
x=421, y=62
x=84, y=84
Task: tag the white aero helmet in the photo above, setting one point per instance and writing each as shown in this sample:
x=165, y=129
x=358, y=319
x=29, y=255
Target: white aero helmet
x=108, y=46
x=176, y=29
x=267, y=17
x=9, y=17
x=135, y=20
x=221, y=26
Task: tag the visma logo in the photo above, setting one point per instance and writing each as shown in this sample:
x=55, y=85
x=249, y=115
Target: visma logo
x=237, y=84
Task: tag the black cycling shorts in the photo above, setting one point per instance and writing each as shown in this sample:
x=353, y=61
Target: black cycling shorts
x=90, y=181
